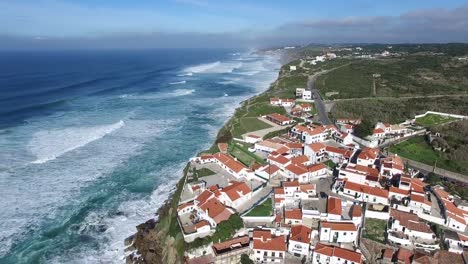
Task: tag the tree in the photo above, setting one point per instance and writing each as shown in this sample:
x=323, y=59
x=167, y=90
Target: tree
x=245, y=259
x=364, y=129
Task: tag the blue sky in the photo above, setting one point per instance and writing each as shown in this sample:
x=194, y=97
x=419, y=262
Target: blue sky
x=234, y=22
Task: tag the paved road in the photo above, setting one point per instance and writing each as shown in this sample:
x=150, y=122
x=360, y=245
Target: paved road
x=318, y=100
x=401, y=97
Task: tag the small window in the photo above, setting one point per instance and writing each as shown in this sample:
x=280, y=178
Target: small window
x=344, y=234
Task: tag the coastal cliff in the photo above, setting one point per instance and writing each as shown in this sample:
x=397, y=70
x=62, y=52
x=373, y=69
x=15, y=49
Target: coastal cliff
x=161, y=241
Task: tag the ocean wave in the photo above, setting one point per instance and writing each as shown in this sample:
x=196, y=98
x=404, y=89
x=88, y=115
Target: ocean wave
x=51, y=144
x=174, y=93
x=185, y=74
x=181, y=82
x=215, y=67
x=248, y=73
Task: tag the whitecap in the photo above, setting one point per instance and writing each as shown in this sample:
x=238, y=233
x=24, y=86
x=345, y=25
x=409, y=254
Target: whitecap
x=48, y=145
x=214, y=67
x=181, y=82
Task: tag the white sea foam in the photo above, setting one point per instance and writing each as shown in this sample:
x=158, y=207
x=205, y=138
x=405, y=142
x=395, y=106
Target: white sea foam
x=185, y=74
x=157, y=96
x=58, y=183
x=181, y=92
x=181, y=82
x=51, y=144
x=215, y=67
x=123, y=225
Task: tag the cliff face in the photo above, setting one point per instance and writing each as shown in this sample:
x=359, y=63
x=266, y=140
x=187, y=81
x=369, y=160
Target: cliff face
x=159, y=241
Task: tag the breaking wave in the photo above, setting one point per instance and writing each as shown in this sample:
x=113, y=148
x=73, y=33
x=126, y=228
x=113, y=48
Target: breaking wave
x=51, y=144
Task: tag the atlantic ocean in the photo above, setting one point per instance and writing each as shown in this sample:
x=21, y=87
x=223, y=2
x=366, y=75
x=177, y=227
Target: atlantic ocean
x=92, y=142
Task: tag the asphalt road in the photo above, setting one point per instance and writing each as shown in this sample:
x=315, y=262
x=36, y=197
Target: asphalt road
x=318, y=100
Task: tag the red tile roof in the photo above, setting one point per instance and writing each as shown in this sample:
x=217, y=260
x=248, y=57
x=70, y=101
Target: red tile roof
x=316, y=147
x=316, y=167
x=420, y=199
x=378, y=131
x=236, y=190
x=335, y=150
x=301, y=234
x=410, y=221
x=340, y=226
x=399, y=191
x=369, y=154
x=404, y=255
x=263, y=240
x=338, y=252
x=231, y=163
x=271, y=169
x=279, y=159
x=280, y=118
x=291, y=184
x=216, y=210
x=293, y=214
x=300, y=159
x=334, y=205
x=356, y=210
x=366, y=189
x=296, y=169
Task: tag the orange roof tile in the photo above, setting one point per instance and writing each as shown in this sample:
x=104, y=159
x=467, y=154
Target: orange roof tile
x=301, y=234
x=236, y=190
x=231, y=163
x=274, y=244
x=334, y=205
x=316, y=147
x=280, y=118
x=341, y=226
x=296, y=169
x=293, y=214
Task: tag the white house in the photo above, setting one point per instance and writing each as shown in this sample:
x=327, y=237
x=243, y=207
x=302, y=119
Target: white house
x=233, y=166
x=315, y=152
x=365, y=193
x=296, y=172
x=307, y=95
x=338, y=232
x=252, y=139
x=391, y=166
x=334, y=208
x=335, y=255
x=368, y=157
x=267, y=248
x=411, y=226
x=359, y=174
x=299, y=240
x=235, y=194
x=293, y=216
x=337, y=155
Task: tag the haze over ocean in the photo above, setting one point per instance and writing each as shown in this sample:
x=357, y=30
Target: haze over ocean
x=92, y=142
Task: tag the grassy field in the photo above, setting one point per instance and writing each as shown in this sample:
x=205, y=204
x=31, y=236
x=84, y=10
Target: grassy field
x=375, y=230
x=203, y=172
x=433, y=120
x=405, y=76
x=263, y=209
x=244, y=156
x=350, y=81
x=248, y=124
x=418, y=149
x=330, y=164
x=397, y=110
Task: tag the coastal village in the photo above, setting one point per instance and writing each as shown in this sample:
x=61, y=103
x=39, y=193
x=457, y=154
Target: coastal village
x=305, y=190
x=311, y=200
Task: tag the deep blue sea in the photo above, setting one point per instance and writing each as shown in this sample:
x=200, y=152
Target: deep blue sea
x=92, y=142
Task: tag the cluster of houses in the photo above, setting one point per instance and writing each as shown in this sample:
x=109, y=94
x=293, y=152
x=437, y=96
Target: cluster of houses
x=315, y=226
